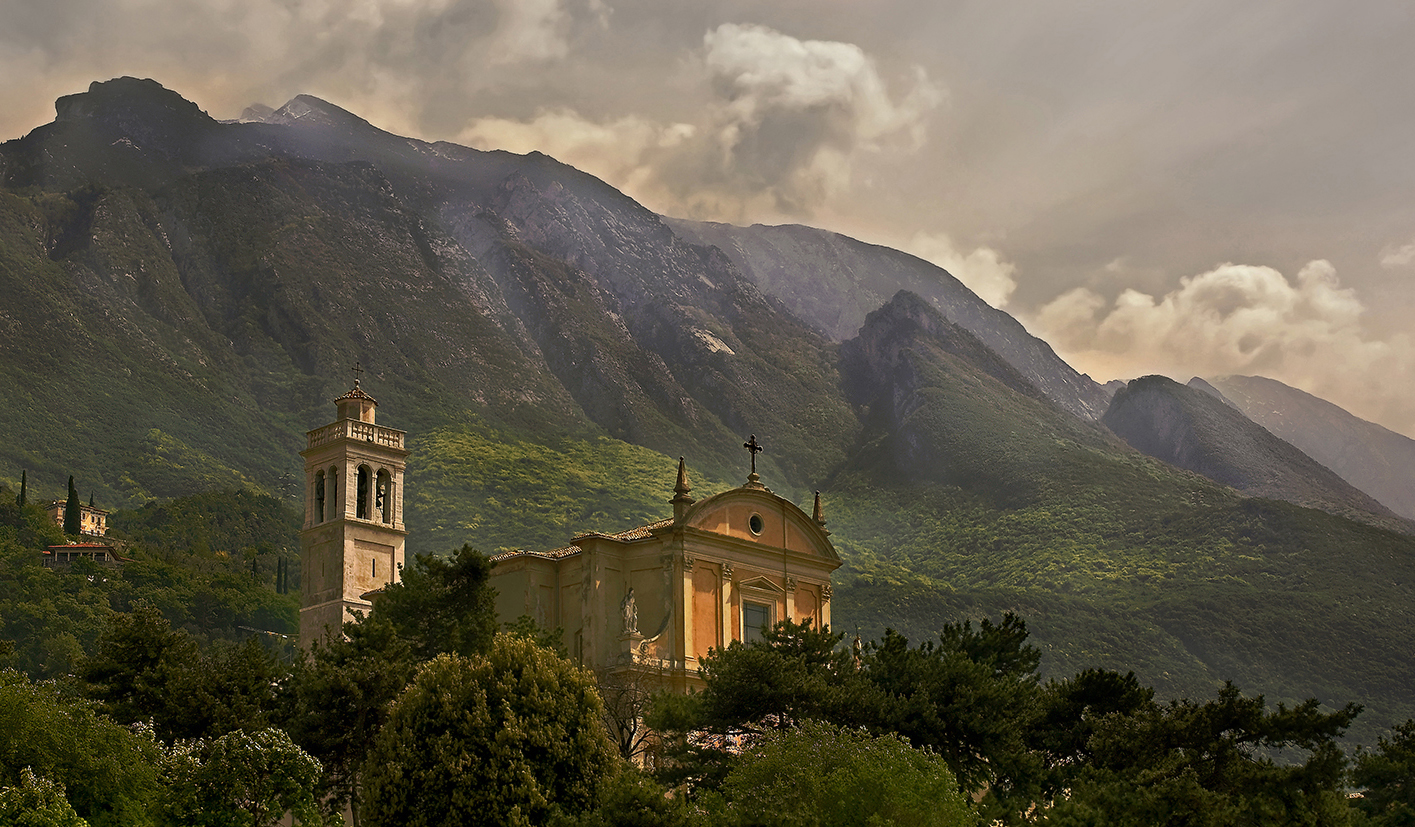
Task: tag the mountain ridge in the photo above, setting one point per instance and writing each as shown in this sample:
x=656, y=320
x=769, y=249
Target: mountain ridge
x=185, y=317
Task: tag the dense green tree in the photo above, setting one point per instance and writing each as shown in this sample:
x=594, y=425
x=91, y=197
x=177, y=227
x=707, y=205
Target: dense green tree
x=501, y=738
x=144, y=670
x=73, y=516
x=629, y=798
x=1059, y=735
x=109, y=772
x=793, y=673
x=339, y=698
x=37, y=802
x=1386, y=779
x=819, y=775
x=443, y=604
x=969, y=696
x=1210, y=764
x=239, y=779
x=23, y=499
x=140, y=665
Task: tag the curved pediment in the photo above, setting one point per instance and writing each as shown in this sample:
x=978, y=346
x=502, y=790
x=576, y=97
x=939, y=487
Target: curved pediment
x=756, y=515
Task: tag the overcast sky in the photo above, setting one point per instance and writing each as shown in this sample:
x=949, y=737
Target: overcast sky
x=1195, y=187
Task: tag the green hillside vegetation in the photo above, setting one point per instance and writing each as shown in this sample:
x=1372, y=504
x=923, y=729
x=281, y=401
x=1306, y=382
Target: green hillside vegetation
x=207, y=562
x=493, y=488
x=1117, y=560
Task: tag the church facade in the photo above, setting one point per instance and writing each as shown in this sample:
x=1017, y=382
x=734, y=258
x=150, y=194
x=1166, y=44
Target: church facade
x=657, y=598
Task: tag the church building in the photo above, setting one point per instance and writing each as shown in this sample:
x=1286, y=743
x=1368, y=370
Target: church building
x=652, y=600
x=656, y=598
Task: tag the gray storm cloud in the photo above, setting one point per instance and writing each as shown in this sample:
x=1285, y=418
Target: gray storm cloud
x=787, y=122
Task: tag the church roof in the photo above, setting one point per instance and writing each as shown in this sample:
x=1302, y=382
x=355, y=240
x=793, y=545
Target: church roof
x=357, y=393
x=638, y=533
x=553, y=554
x=642, y=532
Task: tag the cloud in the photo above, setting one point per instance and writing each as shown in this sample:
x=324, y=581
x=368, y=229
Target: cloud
x=786, y=123
x=409, y=65
x=983, y=270
x=617, y=150
x=791, y=120
x=1392, y=257
x=1241, y=319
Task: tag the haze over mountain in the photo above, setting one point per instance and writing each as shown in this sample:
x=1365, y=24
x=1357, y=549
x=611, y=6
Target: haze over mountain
x=832, y=281
x=1206, y=434
x=186, y=296
x=1374, y=459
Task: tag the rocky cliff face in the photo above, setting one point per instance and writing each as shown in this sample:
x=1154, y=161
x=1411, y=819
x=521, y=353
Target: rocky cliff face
x=833, y=282
x=512, y=286
x=1196, y=431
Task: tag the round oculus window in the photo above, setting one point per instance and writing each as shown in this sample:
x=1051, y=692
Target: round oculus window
x=755, y=523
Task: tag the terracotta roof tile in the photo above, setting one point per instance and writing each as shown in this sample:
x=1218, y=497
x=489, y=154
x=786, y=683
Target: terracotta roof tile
x=640, y=533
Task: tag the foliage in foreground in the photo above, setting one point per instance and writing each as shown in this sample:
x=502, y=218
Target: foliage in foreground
x=247, y=779
x=109, y=772
x=819, y=775
x=1093, y=749
x=496, y=739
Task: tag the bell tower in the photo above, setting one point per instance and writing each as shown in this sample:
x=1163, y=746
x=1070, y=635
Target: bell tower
x=352, y=542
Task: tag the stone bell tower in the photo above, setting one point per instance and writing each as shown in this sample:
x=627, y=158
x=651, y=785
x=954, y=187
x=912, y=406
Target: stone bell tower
x=352, y=542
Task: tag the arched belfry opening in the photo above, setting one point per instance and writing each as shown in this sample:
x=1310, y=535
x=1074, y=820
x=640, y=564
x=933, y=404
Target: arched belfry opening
x=353, y=537
x=361, y=509
x=332, y=509
x=383, y=497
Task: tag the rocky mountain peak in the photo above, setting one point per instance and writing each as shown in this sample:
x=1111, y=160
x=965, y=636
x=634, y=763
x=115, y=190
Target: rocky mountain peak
x=872, y=360
x=130, y=102
x=307, y=110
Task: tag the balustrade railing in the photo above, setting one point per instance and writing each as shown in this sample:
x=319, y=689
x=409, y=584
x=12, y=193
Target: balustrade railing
x=353, y=429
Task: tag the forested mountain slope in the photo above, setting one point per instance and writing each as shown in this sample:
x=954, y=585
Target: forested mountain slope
x=186, y=296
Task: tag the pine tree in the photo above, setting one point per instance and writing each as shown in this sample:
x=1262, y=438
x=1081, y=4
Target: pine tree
x=72, y=521
x=23, y=498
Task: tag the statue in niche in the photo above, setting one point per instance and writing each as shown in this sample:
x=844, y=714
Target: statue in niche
x=630, y=612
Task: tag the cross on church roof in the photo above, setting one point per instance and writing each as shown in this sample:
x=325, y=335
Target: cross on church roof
x=753, y=447
x=358, y=372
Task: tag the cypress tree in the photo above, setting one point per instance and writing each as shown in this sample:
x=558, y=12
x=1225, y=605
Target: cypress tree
x=24, y=493
x=72, y=522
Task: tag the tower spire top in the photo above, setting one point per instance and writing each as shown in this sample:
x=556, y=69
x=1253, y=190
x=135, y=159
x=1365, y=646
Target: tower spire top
x=681, y=498
x=818, y=513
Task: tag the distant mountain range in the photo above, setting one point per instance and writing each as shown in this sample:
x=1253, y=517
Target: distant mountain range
x=1202, y=432
x=1378, y=461
x=184, y=298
